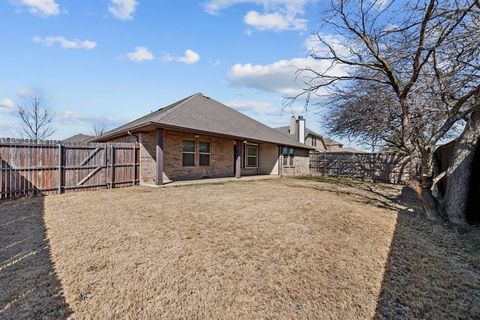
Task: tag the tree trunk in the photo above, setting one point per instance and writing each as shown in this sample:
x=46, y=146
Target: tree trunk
x=421, y=180
x=459, y=170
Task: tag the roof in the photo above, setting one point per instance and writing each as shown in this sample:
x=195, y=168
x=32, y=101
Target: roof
x=353, y=150
x=78, y=138
x=198, y=113
x=328, y=141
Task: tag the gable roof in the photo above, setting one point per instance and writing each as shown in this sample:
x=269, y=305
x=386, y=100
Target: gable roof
x=78, y=138
x=198, y=113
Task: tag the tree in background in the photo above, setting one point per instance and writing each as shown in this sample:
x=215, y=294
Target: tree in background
x=36, y=119
x=407, y=73
x=99, y=128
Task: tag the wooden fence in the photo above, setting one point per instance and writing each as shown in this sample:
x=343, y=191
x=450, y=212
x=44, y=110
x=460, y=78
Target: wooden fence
x=382, y=167
x=443, y=157
x=30, y=168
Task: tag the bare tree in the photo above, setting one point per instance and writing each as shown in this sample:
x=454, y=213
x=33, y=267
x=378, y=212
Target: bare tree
x=425, y=55
x=99, y=128
x=36, y=120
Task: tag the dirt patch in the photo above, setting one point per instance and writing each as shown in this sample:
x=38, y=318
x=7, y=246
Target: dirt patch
x=276, y=249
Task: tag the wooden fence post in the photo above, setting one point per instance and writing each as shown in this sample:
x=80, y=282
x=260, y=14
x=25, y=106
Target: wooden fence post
x=112, y=166
x=60, y=169
x=134, y=164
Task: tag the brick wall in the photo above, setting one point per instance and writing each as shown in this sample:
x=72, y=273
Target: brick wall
x=221, y=157
x=148, y=154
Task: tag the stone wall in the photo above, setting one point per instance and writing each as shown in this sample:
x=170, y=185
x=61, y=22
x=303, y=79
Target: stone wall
x=301, y=164
x=382, y=167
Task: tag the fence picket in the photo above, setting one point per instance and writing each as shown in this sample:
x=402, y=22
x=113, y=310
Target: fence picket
x=32, y=168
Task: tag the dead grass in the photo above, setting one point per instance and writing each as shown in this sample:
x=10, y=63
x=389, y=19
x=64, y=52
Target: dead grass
x=277, y=249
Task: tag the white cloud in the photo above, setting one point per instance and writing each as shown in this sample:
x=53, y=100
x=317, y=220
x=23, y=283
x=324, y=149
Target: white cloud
x=24, y=92
x=65, y=43
x=6, y=106
x=286, y=6
x=254, y=107
x=278, y=15
x=140, y=54
x=274, y=21
x=341, y=45
x=40, y=7
x=190, y=57
x=279, y=77
x=123, y=9
x=68, y=117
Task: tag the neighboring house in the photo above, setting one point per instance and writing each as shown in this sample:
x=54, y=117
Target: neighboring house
x=78, y=138
x=301, y=133
x=351, y=150
x=198, y=137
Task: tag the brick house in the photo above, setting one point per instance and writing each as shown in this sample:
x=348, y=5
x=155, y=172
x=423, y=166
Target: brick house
x=199, y=137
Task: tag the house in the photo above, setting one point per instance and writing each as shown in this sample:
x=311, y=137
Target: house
x=301, y=133
x=78, y=138
x=199, y=137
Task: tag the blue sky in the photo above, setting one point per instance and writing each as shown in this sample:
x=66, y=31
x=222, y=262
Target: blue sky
x=115, y=60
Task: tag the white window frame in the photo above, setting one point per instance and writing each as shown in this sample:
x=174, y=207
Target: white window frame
x=247, y=156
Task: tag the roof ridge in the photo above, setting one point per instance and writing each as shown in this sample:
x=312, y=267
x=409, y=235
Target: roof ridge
x=176, y=105
x=164, y=109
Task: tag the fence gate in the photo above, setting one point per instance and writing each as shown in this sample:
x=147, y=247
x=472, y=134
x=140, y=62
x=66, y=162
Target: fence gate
x=32, y=168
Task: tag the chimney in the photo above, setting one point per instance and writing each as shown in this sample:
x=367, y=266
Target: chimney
x=300, y=130
x=293, y=125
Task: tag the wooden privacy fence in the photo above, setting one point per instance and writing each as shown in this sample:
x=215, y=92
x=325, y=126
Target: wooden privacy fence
x=382, y=167
x=37, y=168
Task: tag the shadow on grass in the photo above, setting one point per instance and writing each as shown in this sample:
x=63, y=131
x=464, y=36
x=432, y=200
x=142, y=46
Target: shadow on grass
x=432, y=270
x=29, y=286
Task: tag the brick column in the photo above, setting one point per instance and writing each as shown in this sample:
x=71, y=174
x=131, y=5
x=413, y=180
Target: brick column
x=238, y=159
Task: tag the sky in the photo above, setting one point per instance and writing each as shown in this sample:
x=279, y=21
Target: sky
x=112, y=61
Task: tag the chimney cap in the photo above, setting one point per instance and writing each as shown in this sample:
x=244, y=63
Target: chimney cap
x=300, y=118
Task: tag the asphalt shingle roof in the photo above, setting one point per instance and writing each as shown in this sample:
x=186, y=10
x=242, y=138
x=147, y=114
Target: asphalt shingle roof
x=78, y=138
x=203, y=114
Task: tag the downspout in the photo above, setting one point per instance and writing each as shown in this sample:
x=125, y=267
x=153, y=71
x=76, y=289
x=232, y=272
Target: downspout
x=133, y=135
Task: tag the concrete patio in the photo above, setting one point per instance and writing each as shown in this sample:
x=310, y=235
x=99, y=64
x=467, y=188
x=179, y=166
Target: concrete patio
x=210, y=181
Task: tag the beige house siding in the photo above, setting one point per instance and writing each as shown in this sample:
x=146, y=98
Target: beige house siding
x=301, y=164
x=319, y=147
x=268, y=158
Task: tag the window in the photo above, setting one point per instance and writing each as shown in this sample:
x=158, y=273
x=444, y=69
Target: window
x=314, y=141
x=204, y=151
x=251, y=156
x=288, y=156
x=188, y=153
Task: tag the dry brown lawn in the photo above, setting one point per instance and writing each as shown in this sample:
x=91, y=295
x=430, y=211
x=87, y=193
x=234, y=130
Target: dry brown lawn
x=275, y=249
